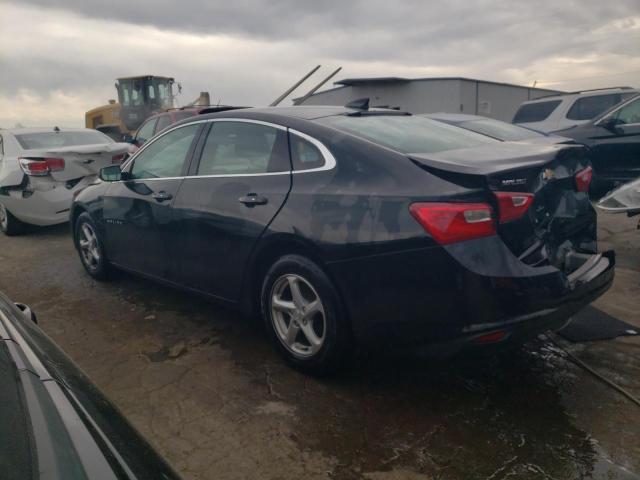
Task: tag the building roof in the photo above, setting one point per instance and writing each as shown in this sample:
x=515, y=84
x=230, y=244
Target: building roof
x=378, y=80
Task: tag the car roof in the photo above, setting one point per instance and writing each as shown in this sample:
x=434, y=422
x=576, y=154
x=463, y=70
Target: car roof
x=298, y=112
x=18, y=131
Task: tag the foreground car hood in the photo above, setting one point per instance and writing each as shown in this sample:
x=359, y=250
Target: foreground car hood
x=490, y=159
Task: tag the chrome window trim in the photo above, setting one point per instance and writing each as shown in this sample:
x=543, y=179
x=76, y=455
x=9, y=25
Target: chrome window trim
x=329, y=159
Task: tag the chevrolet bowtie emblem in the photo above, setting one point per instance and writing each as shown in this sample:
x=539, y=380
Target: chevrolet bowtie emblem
x=548, y=174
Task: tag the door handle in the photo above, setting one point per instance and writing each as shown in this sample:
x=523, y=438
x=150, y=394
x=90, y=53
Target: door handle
x=253, y=199
x=161, y=196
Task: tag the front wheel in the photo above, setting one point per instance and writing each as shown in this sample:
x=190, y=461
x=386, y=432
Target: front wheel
x=9, y=224
x=90, y=248
x=304, y=316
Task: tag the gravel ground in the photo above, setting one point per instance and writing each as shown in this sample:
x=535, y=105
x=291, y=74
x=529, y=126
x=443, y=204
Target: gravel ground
x=204, y=386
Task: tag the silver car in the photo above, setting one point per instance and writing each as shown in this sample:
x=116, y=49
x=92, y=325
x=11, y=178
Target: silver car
x=41, y=168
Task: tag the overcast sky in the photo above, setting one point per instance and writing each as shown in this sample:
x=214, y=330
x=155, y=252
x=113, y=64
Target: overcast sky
x=59, y=58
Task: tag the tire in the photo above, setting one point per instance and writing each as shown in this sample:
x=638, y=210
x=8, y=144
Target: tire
x=90, y=248
x=9, y=224
x=320, y=342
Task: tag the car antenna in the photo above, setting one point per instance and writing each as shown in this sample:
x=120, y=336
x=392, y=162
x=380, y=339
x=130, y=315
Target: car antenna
x=359, y=104
x=56, y=129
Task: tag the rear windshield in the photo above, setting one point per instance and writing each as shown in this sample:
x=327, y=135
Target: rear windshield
x=30, y=141
x=500, y=130
x=406, y=133
x=535, y=112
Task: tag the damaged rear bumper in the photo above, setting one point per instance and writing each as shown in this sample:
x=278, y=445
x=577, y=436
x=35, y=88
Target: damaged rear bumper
x=45, y=203
x=451, y=297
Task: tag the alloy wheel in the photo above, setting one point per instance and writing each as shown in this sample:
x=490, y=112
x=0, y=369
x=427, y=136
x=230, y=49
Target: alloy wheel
x=88, y=242
x=298, y=315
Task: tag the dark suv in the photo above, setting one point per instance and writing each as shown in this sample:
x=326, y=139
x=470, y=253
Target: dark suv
x=614, y=141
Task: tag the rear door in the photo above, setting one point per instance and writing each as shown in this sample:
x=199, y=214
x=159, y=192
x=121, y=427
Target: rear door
x=239, y=181
x=137, y=212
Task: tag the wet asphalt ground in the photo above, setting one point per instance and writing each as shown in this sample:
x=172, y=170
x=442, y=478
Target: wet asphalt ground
x=205, y=387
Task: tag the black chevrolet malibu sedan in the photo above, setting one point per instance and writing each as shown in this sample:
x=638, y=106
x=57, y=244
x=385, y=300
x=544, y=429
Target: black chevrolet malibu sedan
x=344, y=226
x=54, y=423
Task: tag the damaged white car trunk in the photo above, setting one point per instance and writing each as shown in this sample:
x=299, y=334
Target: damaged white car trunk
x=41, y=169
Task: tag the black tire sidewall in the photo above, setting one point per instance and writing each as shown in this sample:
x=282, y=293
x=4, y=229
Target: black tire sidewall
x=101, y=271
x=14, y=226
x=337, y=336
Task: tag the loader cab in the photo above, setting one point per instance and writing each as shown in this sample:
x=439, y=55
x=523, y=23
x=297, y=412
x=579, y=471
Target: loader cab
x=140, y=97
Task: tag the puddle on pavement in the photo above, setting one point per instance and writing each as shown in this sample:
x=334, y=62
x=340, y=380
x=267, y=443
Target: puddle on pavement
x=488, y=417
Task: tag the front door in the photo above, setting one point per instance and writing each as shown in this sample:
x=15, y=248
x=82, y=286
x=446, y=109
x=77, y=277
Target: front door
x=240, y=182
x=137, y=211
x=616, y=149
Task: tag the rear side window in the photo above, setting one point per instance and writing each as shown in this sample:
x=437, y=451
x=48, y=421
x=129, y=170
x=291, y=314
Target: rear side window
x=304, y=154
x=586, y=108
x=163, y=122
x=407, y=133
x=535, y=112
x=146, y=131
x=237, y=148
x=165, y=156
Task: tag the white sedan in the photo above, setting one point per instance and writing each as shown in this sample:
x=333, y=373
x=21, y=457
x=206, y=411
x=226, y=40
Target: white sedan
x=41, y=169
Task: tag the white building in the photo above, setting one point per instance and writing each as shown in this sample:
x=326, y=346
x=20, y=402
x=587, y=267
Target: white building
x=432, y=95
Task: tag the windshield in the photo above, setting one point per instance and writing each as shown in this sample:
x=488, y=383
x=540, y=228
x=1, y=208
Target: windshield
x=500, y=130
x=407, y=133
x=31, y=141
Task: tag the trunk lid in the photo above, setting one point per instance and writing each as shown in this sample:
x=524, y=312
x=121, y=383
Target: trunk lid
x=81, y=160
x=559, y=227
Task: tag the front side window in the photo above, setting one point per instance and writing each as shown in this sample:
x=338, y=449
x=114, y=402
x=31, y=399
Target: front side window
x=535, y=112
x=236, y=148
x=587, y=108
x=165, y=157
x=628, y=114
x=407, y=133
x=146, y=131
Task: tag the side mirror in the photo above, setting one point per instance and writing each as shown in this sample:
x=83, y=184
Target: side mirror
x=610, y=123
x=111, y=173
x=126, y=138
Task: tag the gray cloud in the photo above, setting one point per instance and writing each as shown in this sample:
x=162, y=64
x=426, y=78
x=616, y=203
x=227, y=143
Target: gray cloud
x=248, y=51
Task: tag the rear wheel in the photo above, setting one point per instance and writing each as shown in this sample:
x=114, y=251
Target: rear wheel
x=90, y=248
x=304, y=316
x=9, y=224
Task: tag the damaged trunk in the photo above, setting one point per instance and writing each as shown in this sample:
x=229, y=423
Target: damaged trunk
x=544, y=215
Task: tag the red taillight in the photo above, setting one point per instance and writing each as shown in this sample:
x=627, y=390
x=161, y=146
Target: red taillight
x=117, y=159
x=513, y=205
x=583, y=179
x=455, y=222
x=493, y=337
x=41, y=166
